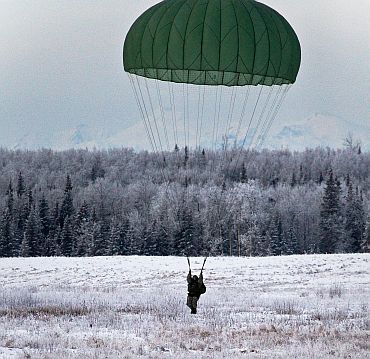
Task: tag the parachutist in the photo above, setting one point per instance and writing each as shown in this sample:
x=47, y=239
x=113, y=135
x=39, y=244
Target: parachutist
x=196, y=288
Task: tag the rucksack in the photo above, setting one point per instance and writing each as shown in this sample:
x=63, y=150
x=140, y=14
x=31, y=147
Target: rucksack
x=202, y=289
x=196, y=289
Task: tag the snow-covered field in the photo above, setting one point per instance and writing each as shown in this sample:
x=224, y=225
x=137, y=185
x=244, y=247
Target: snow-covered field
x=127, y=307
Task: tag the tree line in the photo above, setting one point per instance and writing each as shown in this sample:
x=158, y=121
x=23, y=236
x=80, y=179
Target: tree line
x=119, y=202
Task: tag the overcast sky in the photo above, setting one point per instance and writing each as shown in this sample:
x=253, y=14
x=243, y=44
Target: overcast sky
x=61, y=62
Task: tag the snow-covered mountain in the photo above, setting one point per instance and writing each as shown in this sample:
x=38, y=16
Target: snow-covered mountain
x=317, y=130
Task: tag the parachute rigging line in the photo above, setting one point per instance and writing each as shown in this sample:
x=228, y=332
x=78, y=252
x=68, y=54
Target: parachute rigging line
x=162, y=114
x=202, y=116
x=214, y=119
x=245, y=102
x=246, y=134
x=228, y=125
x=173, y=112
x=271, y=111
x=198, y=118
x=154, y=116
x=141, y=111
x=218, y=115
x=184, y=114
x=154, y=147
x=281, y=101
x=260, y=118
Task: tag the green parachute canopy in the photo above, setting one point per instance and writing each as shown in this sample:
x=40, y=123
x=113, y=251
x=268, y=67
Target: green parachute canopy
x=213, y=42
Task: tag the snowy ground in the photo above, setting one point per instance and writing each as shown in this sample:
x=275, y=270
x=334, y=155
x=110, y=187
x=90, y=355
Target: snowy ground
x=126, y=307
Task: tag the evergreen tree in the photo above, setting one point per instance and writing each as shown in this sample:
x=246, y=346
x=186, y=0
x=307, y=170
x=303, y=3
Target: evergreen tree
x=6, y=235
x=354, y=221
x=43, y=212
x=67, y=208
x=30, y=200
x=243, y=174
x=150, y=244
x=55, y=217
x=293, y=182
x=330, y=216
x=114, y=242
x=84, y=238
x=184, y=234
x=365, y=245
x=67, y=238
x=83, y=230
x=276, y=235
x=98, y=247
x=186, y=156
x=56, y=238
x=10, y=198
x=32, y=235
x=321, y=178
x=292, y=241
x=21, y=189
x=82, y=214
x=51, y=247
x=97, y=170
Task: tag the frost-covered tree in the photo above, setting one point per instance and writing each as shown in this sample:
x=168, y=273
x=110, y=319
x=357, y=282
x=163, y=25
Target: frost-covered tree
x=276, y=236
x=355, y=220
x=201, y=207
x=31, y=244
x=21, y=189
x=365, y=245
x=114, y=245
x=330, y=216
x=67, y=237
x=10, y=198
x=43, y=213
x=97, y=244
x=67, y=209
x=6, y=235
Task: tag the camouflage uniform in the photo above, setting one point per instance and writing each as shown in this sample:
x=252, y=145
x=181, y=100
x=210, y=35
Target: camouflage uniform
x=193, y=292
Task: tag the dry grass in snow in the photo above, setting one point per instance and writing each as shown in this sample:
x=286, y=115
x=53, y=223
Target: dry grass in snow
x=129, y=307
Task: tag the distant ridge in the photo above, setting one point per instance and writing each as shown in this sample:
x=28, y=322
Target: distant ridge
x=318, y=130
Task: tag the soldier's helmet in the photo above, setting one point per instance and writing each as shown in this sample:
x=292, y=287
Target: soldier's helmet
x=195, y=277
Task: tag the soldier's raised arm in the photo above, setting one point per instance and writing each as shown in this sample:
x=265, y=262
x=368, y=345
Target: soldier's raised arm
x=200, y=280
x=189, y=276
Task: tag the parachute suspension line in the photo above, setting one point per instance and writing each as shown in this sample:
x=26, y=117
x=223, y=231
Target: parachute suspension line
x=216, y=127
x=229, y=120
x=244, y=108
x=255, y=133
x=163, y=117
x=214, y=120
x=174, y=127
x=147, y=114
x=145, y=118
x=141, y=110
x=246, y=135
x=202, y=116
x=229, y=117
x=184, y=110
x=270, y=112
x=188, y=113
x=154, y=117
x=251, y=120
x=277, y=109
x=198, y=118
x=219, y=114
x=173, y=111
